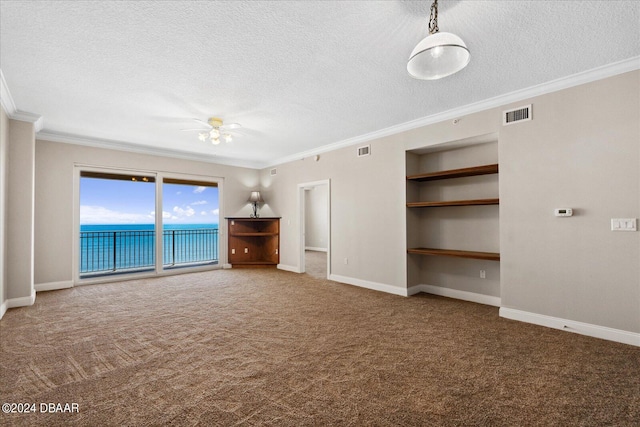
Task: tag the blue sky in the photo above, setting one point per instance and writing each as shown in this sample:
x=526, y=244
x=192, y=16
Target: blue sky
x=107, y=201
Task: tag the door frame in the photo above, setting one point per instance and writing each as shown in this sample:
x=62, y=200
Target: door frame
x=301, y=221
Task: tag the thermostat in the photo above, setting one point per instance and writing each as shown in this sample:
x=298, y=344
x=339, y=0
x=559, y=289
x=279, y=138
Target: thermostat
x=564, y=212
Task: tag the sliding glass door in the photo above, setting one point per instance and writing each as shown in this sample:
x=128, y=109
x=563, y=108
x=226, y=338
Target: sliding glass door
x=145, y=223
x=117, y=223
x=190, y=212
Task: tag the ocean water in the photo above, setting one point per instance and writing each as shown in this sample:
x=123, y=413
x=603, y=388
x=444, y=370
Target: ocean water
x=112, y=248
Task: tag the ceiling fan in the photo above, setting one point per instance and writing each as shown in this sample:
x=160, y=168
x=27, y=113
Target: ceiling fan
x=214, y=129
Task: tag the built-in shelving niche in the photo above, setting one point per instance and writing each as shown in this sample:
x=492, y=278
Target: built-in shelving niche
x=453, y=216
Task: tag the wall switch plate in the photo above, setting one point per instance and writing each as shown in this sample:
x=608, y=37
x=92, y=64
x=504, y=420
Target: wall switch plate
x=233, y=251
x=483, y=274
x=624, y=224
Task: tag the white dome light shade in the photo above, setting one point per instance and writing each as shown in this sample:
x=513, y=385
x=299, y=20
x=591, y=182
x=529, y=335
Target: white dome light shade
x=438, y=55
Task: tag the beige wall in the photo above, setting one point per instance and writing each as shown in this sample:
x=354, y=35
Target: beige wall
x=55, y=163
x=20, y=213
x=4, y=138
x=581, y=150
x=367, y=210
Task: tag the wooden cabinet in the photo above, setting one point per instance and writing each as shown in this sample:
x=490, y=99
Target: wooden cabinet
x=254, y=242
x=450, y=174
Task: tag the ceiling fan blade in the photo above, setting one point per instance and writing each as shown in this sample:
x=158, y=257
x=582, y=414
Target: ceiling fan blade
x=204, y=123
x=200, y=129
x=231, y=126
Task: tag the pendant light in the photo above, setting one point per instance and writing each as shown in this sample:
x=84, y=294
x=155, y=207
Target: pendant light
x=439, y=54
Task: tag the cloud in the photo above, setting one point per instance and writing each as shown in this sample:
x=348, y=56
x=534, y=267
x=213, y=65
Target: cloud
x=216, y=211
x=199, y=202
x=165, y=215
x=203, y=213
x=183, y=212
x=200, y=189
x=102, y=215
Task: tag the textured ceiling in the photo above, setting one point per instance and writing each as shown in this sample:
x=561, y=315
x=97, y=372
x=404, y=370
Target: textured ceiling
x=298, y=75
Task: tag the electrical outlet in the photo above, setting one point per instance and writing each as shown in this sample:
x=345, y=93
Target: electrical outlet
x=276, y=252
x=233, y=251
x=346, y=261
x=246, y=250
x=483, y=274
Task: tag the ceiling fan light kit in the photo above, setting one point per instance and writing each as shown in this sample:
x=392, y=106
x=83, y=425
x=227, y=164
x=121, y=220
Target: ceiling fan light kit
x=216, y=131
x=438, y=55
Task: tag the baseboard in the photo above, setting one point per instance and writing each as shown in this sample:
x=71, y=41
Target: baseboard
x=454, y=293
x=3, y=309
x=54, y=286
x=313, y=248
x=22, y=301
x=226, y=266
x=588, y=329
x=369, y=285
x=288, y=268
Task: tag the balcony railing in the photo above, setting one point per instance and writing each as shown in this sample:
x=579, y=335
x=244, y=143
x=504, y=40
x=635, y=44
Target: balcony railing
x=108, y=252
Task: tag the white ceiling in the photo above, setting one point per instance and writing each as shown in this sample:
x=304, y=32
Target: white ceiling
x=298, y=75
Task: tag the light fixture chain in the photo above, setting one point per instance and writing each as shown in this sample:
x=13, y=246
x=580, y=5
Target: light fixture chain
x=433, y=19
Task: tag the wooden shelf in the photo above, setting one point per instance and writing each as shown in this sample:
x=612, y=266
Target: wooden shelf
x=491, y=256
x=476, y=202
x=455, y=173
x=254, y=264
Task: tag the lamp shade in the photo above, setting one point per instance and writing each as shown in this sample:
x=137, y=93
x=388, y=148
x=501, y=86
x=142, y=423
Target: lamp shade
x=438, y=55
x=255, y=197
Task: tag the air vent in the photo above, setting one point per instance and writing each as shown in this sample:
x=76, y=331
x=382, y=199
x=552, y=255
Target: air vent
x=364, y=151
x=273, y=171
x=520, y=114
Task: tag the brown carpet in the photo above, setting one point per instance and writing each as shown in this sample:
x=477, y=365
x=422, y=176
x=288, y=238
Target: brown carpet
x=267, y=347
x=315, y=264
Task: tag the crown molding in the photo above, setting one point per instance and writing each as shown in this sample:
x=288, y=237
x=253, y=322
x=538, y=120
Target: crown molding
x=38, y=121
x=136, y=148
x=10, y=107
x=599, y=73
x=5, y=97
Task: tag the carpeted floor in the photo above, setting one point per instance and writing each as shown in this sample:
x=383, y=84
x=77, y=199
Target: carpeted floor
x=315, y=263
x=267, y=347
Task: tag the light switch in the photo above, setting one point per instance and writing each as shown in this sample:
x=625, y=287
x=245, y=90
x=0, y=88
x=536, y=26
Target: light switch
x=624, y=224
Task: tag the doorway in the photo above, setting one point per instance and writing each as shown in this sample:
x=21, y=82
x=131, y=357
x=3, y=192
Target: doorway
x=315, y=229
